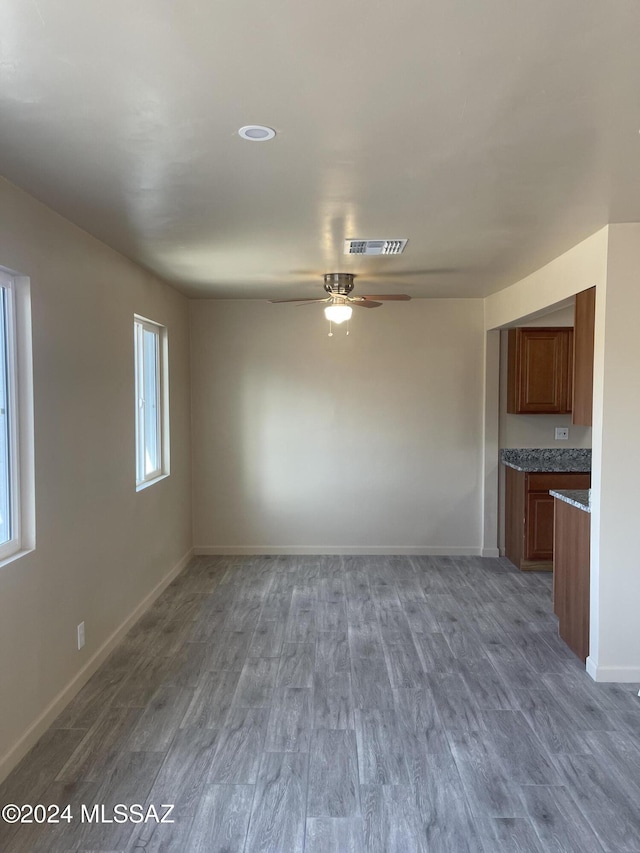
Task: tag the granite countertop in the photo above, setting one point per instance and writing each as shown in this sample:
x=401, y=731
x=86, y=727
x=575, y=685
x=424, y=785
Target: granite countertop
x=550, y=459
x=576, y=497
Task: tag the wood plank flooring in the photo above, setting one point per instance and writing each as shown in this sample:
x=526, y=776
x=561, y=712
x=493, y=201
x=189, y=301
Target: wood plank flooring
x=337, y=704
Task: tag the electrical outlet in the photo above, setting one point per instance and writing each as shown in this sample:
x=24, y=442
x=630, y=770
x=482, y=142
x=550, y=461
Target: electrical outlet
x=80, y=635
x=562, y=433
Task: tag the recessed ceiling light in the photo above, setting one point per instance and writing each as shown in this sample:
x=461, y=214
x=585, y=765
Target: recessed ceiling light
x=257, y=133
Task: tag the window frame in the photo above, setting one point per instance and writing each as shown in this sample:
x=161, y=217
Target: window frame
x=140, y=325
x=8, y=296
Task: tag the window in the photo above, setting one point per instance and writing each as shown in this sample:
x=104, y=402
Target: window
x=10, y=503
x=151, y=402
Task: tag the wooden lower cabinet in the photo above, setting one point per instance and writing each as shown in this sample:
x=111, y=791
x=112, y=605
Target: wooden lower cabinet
x=529, y=515
x=571, y=576
x=539, y=527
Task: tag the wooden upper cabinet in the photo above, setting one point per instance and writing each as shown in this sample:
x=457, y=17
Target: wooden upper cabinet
x=540, y=371
x=585, y=315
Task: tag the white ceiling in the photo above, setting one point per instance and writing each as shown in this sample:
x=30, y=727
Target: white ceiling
x=494, y=134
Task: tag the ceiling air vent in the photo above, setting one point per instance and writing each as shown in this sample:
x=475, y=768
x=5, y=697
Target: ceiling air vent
x=374, y=247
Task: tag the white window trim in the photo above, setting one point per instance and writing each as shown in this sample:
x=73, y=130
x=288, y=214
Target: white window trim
x=162, y=366
x=20, y=399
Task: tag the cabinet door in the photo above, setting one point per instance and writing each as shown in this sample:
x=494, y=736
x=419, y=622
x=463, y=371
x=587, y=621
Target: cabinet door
x=585, y=316
x=539, y=526
x=540, y=370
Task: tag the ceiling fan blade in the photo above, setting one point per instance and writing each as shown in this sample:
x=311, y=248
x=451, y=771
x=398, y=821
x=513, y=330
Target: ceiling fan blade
x=312, y=299
x=398, y=297
x=365, y=303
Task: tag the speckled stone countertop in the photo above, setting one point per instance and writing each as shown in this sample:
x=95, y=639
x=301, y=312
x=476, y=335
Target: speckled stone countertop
x=576, y=497
x=551, y=459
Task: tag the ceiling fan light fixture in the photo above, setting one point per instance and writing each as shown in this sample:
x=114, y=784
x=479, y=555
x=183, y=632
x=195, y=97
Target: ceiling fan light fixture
x=338, y=313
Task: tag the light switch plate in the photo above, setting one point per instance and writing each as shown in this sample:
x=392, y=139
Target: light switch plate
x=562, y=433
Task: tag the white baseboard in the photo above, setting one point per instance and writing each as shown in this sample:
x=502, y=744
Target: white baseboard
x=490, y=552
x=35, y=731
x=622, y=674
x=358, y=550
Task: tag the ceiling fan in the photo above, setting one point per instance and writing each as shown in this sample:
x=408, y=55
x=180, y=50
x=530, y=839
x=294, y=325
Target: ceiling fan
x=340, y=303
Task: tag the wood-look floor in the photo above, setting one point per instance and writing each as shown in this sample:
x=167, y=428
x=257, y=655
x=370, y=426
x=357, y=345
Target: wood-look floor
x=343, y=704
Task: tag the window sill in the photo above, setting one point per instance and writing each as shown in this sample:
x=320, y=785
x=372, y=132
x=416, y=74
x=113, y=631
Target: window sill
x=16, y=555
x=146, y=483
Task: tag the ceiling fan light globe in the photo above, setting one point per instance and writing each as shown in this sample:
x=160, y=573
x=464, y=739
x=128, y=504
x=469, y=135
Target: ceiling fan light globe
x=338, y=313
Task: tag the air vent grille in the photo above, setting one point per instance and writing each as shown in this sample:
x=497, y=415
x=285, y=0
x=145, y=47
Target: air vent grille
x=374, y=247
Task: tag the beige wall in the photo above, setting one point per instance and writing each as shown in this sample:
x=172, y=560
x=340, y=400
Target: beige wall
x=365, y=443
x=101, y=548
x=615, y=568
x=583, y=266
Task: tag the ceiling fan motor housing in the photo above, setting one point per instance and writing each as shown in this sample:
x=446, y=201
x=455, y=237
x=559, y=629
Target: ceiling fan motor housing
x=340, y=283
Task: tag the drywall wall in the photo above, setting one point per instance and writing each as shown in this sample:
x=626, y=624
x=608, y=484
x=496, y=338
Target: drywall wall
x=101, y=547
x=362, y=443
x=615, y=577
x=583, y=266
